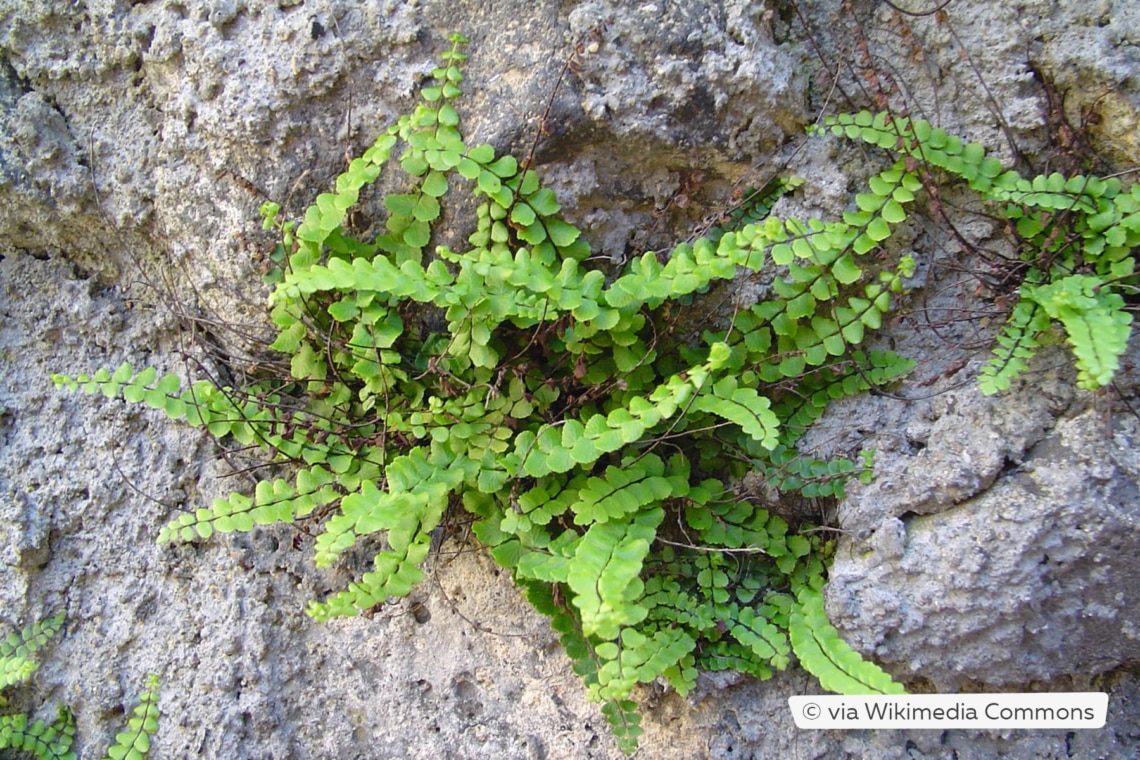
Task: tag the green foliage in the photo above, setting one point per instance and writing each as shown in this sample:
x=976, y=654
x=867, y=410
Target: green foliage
x=52, y=741
x=16, y=651
x=1076, y=234
x=17, y=663
x=562, y=404
x=838, y=667
x=47, y=741
x=134, y=743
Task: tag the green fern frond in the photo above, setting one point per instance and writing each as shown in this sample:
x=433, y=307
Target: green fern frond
x=768, y=642
x=17, y=650
x=625, y=723
x=745, y=407
x=623, y=491
x=848, y=376
x=1095, y=322
x=606, y=574
x=406, y=514
x=1050, y=214
x=825, y=655
x=633, y=657
x=274, y=502
x=46, y=741
x=134, y=743
x=560, y=447
x=920, y=140
x=1015, y=345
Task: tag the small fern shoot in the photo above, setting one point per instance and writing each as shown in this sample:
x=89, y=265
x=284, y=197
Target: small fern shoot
x=134, y=743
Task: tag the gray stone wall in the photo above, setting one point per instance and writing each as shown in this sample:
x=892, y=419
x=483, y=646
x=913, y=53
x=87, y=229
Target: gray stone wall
x=997, y=547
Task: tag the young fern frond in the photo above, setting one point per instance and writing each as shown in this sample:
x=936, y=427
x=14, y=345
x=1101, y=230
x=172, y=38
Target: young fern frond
x=134, y=743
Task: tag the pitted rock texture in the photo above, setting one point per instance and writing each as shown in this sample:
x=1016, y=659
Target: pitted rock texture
x=1031, y=579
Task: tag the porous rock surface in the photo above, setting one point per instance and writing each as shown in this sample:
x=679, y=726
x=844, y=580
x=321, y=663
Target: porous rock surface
x=995, y=549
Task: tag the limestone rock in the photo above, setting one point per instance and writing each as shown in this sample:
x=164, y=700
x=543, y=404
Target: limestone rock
x=137, y=140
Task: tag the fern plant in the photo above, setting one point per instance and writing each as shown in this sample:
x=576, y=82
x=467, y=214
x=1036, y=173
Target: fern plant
x=17, y=664
x=52, y=741
x=594, y=434
x=134, y=743
x=1077, y=237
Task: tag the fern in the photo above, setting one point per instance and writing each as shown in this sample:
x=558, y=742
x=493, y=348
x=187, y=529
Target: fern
x=134, y=743
x=605, y=574
x=825, y=655
x=593, y=442
x=17, y=664
x=553, y=398
x=17, y=650
x=1015, y=346
x=743, y=406
x=46, y=741
x=52, y=741
x=1077, y=235
x=1094, y=320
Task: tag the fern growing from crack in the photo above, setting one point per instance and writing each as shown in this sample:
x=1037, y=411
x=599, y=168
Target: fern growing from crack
x=593, y=446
